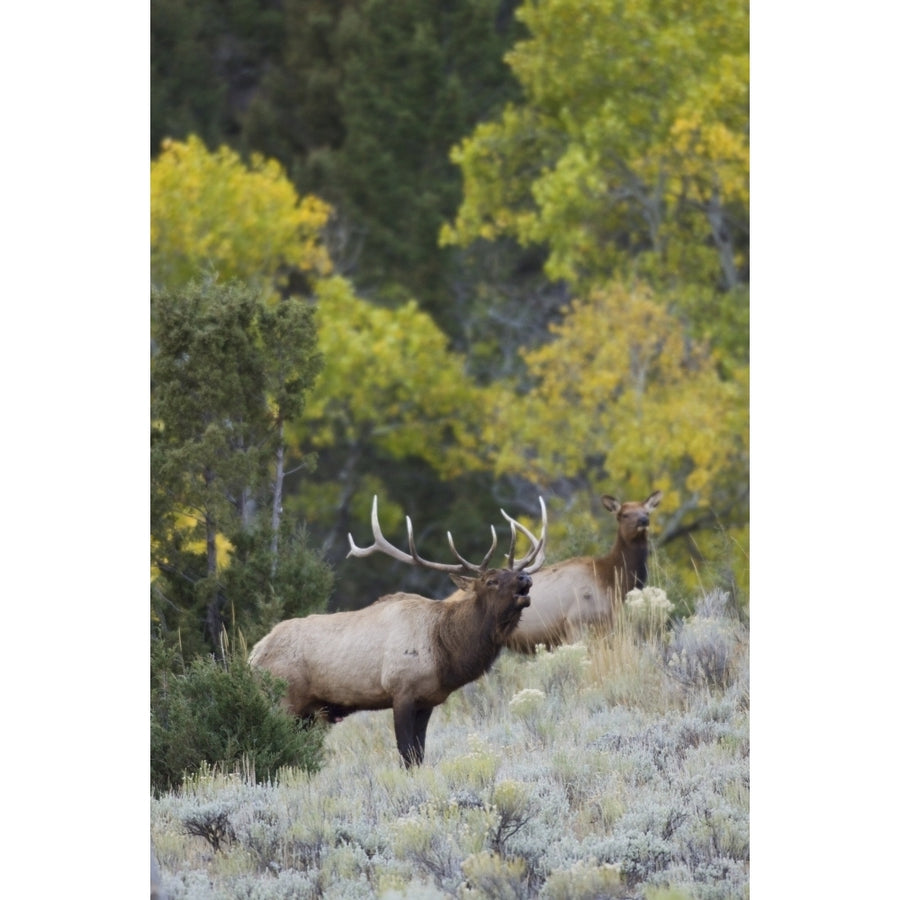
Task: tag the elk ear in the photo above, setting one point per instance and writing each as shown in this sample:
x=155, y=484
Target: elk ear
x=653, y=500
x=611, y=503
x=461, y=581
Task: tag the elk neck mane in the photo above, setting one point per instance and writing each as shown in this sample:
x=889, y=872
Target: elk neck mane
x=468, y=637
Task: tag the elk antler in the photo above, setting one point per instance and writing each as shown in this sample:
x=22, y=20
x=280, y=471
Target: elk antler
x=413, y=558
x=529, y=563
x=534, y=559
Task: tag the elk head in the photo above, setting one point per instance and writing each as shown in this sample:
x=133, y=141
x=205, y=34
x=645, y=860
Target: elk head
x=633, y=517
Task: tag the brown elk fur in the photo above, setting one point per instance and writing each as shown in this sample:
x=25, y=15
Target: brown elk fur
x=405, y=652
x=585, y=591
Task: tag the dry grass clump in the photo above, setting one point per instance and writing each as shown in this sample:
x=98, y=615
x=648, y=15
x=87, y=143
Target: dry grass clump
x=616, y=767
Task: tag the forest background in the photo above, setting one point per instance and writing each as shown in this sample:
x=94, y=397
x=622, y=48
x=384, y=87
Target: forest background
x=814, y=408
x=454, y=255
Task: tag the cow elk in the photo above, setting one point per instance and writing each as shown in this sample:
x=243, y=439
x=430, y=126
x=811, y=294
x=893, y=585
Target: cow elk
x=405, y=652
x=586, y=591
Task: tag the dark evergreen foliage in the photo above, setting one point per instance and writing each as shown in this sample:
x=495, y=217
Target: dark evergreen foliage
x=270, y=585
x=206, y=61
x=228, y=370
x=417, y=78
x=221, y=715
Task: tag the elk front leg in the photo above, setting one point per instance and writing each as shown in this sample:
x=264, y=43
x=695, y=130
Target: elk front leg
x=410, y=723
x=421, y=723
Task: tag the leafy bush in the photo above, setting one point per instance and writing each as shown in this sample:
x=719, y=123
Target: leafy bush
x=225, y=716
x=637, y=855
x=584, y=882
x=648, y=611
x=706, y=648
x=489, y=877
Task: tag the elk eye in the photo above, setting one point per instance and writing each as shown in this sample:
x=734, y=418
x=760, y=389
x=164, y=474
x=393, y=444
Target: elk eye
x=492, y=582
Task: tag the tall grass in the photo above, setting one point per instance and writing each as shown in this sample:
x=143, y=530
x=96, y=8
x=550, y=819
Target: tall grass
x=616, y=767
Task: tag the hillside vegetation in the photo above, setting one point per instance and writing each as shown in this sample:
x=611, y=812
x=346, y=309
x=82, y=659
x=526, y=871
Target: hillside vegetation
x=617, y=768
x=457, y=255
x=461, y=256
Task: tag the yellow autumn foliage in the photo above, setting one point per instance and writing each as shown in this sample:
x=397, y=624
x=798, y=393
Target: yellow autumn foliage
x=210, y=213
x=631, y=138
x=624, y=399
x=185, y=523
x=389, y=378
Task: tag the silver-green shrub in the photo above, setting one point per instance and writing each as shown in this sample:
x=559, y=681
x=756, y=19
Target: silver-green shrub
x=584, y=882
x=489, y=876
x=647, y=610
x=538, y=782
x=705, y=649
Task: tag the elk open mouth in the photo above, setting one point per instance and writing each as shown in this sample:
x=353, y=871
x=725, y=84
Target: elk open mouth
x=523, y=598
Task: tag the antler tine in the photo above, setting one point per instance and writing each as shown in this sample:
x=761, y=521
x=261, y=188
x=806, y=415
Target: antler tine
x=463, y=566
x=412, y=543
x=386, y=547
x=381, y=543
x=484, y=562
x=534, y=559
x=513, y=534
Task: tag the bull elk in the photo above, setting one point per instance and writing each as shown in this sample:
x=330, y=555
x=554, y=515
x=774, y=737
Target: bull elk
x=585, y=591
x=405, y=652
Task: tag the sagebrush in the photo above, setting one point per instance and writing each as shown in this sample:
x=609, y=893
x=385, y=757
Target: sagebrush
x=557, y=775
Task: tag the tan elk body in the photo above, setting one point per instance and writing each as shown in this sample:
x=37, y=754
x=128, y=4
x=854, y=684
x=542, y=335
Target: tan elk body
x=585, y=591
x=405, y=652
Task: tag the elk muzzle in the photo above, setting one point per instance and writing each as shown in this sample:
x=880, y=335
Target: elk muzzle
x=523, y=586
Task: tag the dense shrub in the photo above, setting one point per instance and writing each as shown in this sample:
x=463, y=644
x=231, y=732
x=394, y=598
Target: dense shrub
x=706, y=649
x=609, y=770
x=225, y=716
